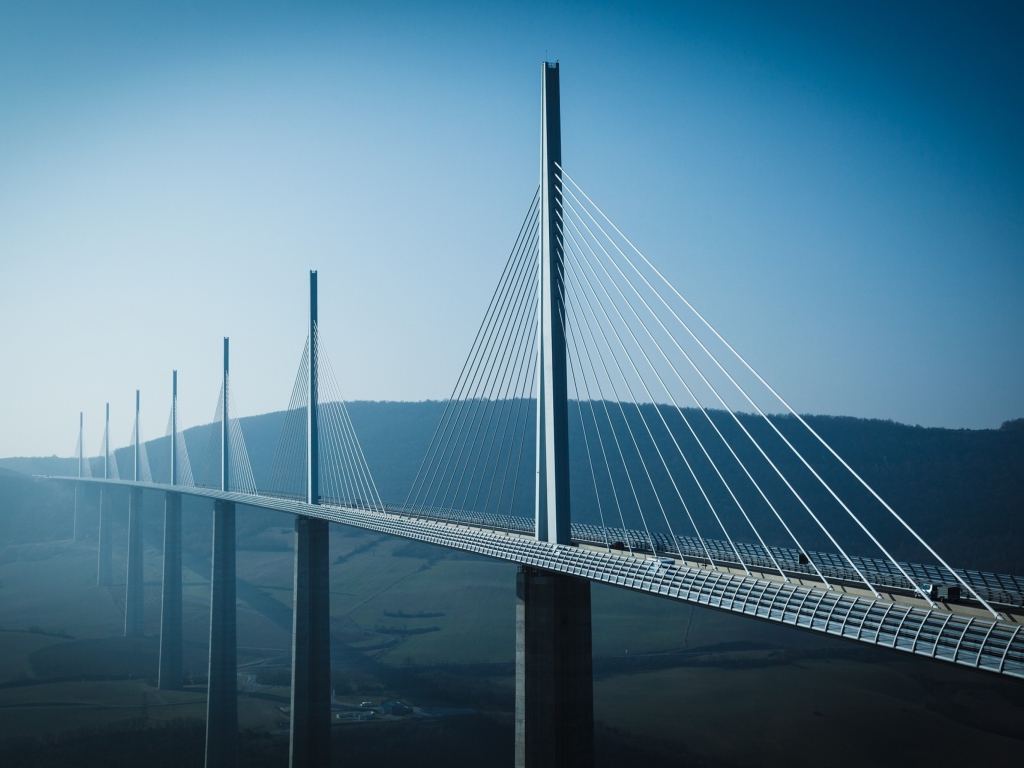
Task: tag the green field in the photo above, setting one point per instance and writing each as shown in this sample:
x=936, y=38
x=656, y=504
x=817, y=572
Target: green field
x=845, y=713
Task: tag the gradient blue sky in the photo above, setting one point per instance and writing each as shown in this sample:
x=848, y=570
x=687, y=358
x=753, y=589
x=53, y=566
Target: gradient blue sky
x=838, y=186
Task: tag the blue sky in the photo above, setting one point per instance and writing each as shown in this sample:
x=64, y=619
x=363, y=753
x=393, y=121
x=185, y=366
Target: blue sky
x=838, y=187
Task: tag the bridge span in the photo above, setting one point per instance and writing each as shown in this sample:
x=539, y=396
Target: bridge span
x=684, y=487
x=960, y=633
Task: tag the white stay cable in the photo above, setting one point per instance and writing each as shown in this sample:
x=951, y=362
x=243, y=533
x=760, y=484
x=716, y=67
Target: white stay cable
x=519, y=357
x=417, y=488
x=102, y=451
x=686, y=461
x=289, y=465
x=500, y=339
x=340, y=460
x=186, y=477
x=794, y=413
x=480, y=364
x=629, y=429
x=590, y=459
x=210, y=477
x=145, y=473
x=355, y=447
x=516, y=395
x=517, y=326
x=597, y=429
x=343, y=469
x=184, y=465
x=522, y=441
x=804, y=461
x=735, y=418
x=83, y=459
x=689, y=391
x=241, y=469
x=678, y=409
x=515, y=385
x=343, y=481
x=115, y=474
x=570, y=317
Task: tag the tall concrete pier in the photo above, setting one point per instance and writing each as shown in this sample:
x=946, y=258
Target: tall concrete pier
x=103, y=549
x=554, y=668
x=133, y=596
x=554, y=671
x=222, y=696
x=311, y=647
x=171, y=668
x=104, y=565
x=81, y=468
x=311, y=632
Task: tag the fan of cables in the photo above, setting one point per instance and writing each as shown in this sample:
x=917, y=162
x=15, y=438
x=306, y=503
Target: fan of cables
x=480, y=462
x=344, y=476
x=240, y=477
x=678, y=436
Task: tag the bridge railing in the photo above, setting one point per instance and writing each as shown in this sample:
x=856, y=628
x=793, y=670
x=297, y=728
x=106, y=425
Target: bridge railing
x=1004, y=589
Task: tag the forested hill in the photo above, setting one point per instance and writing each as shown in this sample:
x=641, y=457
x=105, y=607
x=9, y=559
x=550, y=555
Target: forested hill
x=963, y=490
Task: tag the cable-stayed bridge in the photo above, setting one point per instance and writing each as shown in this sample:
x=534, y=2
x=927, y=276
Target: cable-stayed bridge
x=600, y=430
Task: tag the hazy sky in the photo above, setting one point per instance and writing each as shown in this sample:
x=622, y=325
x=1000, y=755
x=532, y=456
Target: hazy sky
x=838, y=186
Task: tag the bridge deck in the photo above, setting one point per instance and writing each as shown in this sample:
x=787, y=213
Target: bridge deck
x=961, y=634
x=1005, y=590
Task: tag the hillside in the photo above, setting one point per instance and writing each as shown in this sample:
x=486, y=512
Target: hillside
x=963, y=490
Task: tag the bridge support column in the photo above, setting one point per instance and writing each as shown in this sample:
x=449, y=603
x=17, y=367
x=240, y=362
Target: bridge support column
x=554, y=671
x=74, y=524
x=171, y=663
x=104, y=568
x=222, y=696
x=310, y=742
x=81, y=466
x=133, y=596
x=311, y=647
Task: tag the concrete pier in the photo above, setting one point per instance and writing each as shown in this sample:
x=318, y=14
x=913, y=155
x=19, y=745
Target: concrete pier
x=554, y=671
x=311, y=647
x=81, y=468
x=171, y=667
x=222, y=697
x=134, y=597
x=554, y=665
x=103, y=567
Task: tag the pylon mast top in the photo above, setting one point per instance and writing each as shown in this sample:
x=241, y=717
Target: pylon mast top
x=312, y=401
x=224, y=452
x=552, y=515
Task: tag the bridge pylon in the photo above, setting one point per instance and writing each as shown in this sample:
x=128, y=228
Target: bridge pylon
x=171, y=669
x=103, y=550
x=81, y=467
x=222, y=695
x=310, y=738
x=554, y=723
x=133, y=596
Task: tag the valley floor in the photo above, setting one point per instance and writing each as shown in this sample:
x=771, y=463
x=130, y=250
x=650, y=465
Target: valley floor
x=434, y=629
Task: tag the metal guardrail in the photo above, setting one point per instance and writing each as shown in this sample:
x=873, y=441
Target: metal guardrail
x=998, y=588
